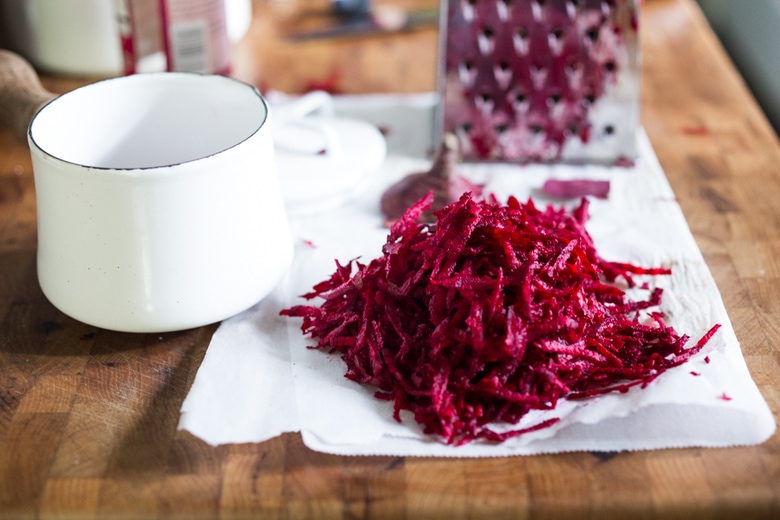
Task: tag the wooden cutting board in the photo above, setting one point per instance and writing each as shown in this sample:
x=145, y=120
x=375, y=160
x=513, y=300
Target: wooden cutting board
x=88, y=417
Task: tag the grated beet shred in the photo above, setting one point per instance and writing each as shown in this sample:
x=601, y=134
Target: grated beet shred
x=491, y=312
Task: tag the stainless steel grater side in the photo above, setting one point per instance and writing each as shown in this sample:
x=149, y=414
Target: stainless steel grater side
x=541, y=80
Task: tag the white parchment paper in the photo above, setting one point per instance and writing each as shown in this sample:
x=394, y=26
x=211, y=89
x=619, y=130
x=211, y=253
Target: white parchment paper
x=259, y=379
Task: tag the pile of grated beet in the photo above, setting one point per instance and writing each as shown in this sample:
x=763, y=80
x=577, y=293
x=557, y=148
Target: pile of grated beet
x=493, y=311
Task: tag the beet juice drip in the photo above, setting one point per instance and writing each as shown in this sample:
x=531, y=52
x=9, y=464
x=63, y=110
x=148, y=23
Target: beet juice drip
x=524, y=77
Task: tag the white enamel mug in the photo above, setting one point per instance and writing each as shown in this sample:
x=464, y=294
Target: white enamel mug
x=158, y=202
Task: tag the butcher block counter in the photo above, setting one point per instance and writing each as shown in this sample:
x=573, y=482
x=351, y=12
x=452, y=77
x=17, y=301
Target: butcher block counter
x=88, y=417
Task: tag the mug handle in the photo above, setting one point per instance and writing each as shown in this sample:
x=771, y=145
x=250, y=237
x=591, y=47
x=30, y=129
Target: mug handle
x=317, y=100
x=294, y=113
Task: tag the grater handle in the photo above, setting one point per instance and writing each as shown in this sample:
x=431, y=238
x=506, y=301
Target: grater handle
x=21, y=93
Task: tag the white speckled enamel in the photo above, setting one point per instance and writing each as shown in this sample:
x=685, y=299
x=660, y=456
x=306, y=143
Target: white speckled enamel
x=158, y=201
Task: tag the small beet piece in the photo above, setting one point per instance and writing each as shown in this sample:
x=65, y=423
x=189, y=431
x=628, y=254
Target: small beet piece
x=575, y=188
x=491, y=312
x=442, y=179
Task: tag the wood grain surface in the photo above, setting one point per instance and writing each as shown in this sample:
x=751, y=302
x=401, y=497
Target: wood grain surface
x=88, y=417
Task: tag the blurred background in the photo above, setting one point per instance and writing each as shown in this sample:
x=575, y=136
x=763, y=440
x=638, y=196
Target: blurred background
x=99, y=38
x=56, y=34
x=750, y=32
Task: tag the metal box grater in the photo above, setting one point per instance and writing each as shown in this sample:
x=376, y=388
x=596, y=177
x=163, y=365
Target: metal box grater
x=541, y=80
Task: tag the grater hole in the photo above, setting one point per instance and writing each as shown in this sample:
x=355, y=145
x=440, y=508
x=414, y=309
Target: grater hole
x=503, y=7
x=486, y=41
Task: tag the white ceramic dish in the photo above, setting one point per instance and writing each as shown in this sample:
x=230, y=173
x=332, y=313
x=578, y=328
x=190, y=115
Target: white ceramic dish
x=323, y=160
x=328, y=171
